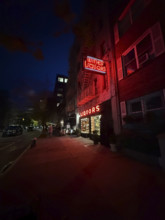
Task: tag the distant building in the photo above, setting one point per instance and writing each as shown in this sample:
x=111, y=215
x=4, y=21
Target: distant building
x=60, y=88
x=60, y=96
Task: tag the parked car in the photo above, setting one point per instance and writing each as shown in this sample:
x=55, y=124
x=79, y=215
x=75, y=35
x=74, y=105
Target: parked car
x=12, y=130
x=30, y=128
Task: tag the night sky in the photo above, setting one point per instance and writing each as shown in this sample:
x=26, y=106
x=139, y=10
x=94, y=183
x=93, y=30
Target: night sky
x=35, y=39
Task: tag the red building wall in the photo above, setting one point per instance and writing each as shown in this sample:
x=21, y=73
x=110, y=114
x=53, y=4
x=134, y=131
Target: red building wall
x=151, y=77
x=145, y=80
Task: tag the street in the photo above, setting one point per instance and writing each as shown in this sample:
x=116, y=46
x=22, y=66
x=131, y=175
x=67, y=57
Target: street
x=12, y=147
x=70, y=178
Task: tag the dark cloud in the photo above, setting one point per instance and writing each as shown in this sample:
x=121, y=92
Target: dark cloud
x=14, y=43
x=63, y=10
x=38, y=54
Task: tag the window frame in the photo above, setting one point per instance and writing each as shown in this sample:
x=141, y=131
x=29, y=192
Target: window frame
x=143, y=99
x=134, y=47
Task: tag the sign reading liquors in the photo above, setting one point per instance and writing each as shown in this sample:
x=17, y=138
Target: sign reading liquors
x=94, y=64
x=90, y=111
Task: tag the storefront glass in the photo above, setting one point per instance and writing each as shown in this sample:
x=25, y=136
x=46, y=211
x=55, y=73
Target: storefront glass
x=85, y=125
x=95, y=123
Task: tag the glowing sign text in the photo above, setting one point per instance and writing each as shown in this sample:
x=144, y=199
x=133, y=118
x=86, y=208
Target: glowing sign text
x=90, y=111
x=94, y=64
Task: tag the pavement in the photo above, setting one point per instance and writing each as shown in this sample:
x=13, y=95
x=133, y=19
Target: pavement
x=70, y=178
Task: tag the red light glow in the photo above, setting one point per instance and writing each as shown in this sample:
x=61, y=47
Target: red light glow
x=90, y=111
x=94, y=64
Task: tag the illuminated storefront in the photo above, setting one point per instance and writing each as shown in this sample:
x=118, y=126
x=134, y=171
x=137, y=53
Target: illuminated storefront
x=95, y=124
x=85, y=125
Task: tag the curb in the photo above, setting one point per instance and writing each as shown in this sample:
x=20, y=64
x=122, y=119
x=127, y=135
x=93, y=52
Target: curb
x=11, y=164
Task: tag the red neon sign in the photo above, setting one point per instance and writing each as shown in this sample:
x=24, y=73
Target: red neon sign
x=94, y=64
x=90, y=111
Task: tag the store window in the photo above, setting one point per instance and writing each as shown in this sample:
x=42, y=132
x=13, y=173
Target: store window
x=85, y=125
x=95, y=124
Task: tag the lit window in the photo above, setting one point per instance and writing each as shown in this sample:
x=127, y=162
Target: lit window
x=60, y=79
x=58, y=104
x=66, y=80
x=130, y=62
x=59, y=94
x=85, y=125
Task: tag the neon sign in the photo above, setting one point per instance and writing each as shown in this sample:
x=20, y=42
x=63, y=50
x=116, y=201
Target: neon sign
x=94, y=64
x=90, y=111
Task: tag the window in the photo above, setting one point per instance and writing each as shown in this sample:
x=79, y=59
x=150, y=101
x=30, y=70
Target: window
x=60, y=89
x=103, y=49
x=85, y=125
x=124, y=24
x=154, y=102
x=144, y=49
x=136, y=106
x=60, y=79
x=59, y=95
x=147, y=47
x=95, y=123
x=130, y=62
x=95, y=86
x=137, y=8
x=58, y=104
x=127, y=18
x=66, y=80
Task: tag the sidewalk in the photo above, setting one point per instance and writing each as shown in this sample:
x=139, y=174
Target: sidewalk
x=70, y=178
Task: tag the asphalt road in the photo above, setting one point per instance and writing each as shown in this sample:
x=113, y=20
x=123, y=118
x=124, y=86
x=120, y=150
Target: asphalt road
x=12, y=147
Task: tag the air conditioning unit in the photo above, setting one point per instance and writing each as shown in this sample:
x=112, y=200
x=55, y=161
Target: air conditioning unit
x=143, y=59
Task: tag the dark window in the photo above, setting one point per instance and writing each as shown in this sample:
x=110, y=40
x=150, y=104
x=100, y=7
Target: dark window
x=136, y=107
x=133, y=13
x=144, y=49
x=137, y=8
x=103, y=49
x=154, y=102
x=124, y=24
x=95, y=85
x=130, y=62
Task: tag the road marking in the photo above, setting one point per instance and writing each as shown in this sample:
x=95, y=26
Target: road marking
x=13, y=148
x=2, y=148
x=6, y=167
